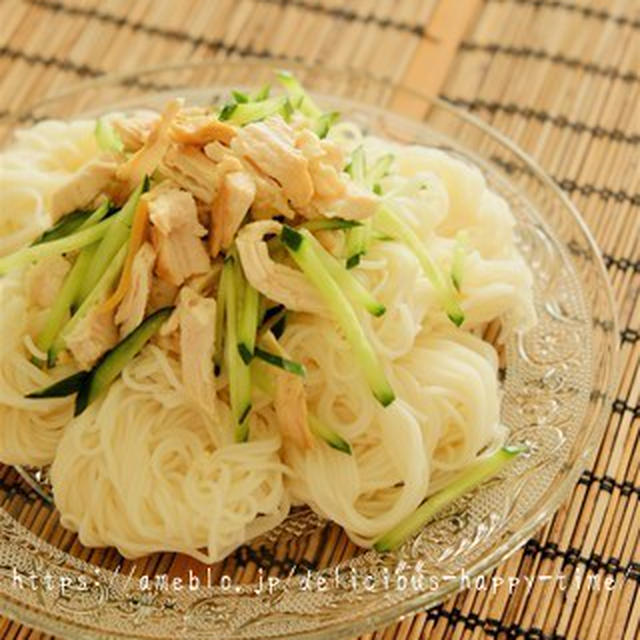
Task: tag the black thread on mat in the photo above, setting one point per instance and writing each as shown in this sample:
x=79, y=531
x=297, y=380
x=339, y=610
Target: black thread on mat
x=572, y=557
x=571, y=186
x=585, y=11
x=558, y=120
x=490, y=626
x=621, y=406
x=610, y=71
x=214, y=44
x=623, y=264
x=629, y=335
x=348, y=15
x=608, y=484
x=18, y=488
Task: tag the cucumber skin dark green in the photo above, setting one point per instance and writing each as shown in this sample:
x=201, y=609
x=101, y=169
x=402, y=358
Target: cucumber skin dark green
x=87, y=392
x=62, y=388
x=65, y=226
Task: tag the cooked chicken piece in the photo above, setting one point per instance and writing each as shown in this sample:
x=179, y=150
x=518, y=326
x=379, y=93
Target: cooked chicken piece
x=276, y=281
x=201, y=129
x=270, y=199
x=196, y=317
x=192, y=170
x=92, y=337
x=131, y=310
x=326, y=161
x=45, y=279
x=135, y=130
x=235, y=196
x=176, y=234
x=147, y=159
x=336, y=195
x=270, y=146
x=290, y=400
x=162, y=294
x=83, y=187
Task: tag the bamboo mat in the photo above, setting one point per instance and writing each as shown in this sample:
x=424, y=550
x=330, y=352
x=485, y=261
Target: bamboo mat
x=562, y=79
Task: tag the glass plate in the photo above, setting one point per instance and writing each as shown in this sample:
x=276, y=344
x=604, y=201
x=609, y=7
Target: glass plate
x=557, y=385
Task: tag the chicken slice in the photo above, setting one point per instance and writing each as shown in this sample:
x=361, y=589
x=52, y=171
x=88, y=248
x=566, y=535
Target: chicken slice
x=176, y=234
x=335, y=193
x=92, y=337
x=133, y=306
x=83, y=187
x=196, y=318
x=270, y=146
x=134, y=130
x=190, y=168
x=147, y=159
x=276, y=281
x=45, y=279
x=235, y=196
x=290, y=400
x=201, y=129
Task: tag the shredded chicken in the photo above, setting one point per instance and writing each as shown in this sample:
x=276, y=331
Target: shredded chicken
x=270, y=147
x=92, y=337
x=162, y=294
x=83, y=187
x=176, y=234
x=235, y=196
x=147, y=159
x=290, y=400
x=135, y=130
x=276, y=281
x=190, y=168
x=196, y=317
x=201, y=129
x=132, y=308
x=45, y=279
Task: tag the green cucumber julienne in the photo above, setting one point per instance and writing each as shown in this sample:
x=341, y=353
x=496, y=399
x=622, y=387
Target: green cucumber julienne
x=471, y=478
x=248, y=321
x=347, y=281
x=66, y=298
x=303, y=253
x=238, y=372
x=330, y=224
x=457, y=264
x=114, y=361
x=62, y=388
x=106, y=136
x=391, y=224
x=358, y=239
x=65, y=226
x=247, y=112
x=69, y=243
x=113, y=240
x=98, y=293
x=282, y=363
x=331, y=437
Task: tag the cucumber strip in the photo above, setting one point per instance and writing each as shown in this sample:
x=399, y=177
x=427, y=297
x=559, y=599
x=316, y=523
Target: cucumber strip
x=469, y=480
x=379, y=170
x=98, y=215
x=66, y=298
x=218, y=354
x=273, y=317
x=240, y=96
x=248, y=321
x=298, y=95
x=358, y=239
x=457, y=264
x=276, y=360
x=70, y=243
x=114, y=361
x=245, y=113
x=65, y=226
x=106, y=136
x=237, y=370
x=357, y=167
x=302, y=251
x=62, y=388
x=262, y=93
x=106, y=282
x=394, y=226
x=331, y=437
x=323, y=124
x=113, y=240
x=347, y=281
x=330, y=224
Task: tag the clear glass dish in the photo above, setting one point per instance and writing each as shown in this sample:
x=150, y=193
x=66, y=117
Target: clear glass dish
x=558, y=384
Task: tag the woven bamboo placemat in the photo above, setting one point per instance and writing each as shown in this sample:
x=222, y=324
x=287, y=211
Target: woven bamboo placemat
x=562, y=79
